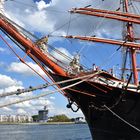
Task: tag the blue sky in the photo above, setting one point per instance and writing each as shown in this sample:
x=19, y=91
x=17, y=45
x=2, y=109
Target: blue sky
x=11, y=70
x=46, y=17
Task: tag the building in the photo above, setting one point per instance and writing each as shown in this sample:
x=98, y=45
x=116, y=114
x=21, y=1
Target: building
x=16, y=118
x=43, y=115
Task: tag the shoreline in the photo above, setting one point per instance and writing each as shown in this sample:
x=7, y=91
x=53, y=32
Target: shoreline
x=40, y=123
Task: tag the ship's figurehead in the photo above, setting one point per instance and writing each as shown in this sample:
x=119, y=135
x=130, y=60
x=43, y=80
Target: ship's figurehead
x=74, y=65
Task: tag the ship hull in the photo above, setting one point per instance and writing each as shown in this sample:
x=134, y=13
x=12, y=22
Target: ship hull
x=104, y=124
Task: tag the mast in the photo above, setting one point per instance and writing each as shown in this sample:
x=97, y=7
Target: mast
x=30, y=48
x=130, y=37
x=116, y=15
x=104, y=40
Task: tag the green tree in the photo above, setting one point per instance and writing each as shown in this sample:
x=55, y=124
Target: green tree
x=60, y=118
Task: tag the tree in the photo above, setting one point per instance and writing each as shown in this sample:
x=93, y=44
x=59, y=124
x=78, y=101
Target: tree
x=60, y=118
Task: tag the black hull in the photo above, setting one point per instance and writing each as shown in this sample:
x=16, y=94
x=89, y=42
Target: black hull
x=103, y=124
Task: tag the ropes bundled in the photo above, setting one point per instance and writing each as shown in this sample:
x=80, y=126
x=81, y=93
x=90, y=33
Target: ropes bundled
x=83, y=78
x=20, y=91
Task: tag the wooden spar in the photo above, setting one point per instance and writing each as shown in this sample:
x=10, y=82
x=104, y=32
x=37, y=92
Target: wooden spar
x=105, y=15
x=138, y=69
x=30, y=46
x=108, y=12
x=109, y=41
x=132, y=50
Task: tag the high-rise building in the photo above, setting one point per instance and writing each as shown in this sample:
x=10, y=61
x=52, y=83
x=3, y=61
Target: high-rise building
x=43, y=115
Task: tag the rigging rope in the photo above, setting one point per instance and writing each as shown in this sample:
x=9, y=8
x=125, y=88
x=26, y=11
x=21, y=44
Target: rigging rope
x=22, y=60
x=33, y=69
x=69, y=24
x=59, y=52
x=45, y=94
x=48, y=34
x=100, y=22
x=40, y=64
x=109, y=58
x=20, y=91
x=3, y=95
x=123, y=120
x=23, y=29
x=50, y=46
x=72, y=19
x=94, y=30
x=136, y=8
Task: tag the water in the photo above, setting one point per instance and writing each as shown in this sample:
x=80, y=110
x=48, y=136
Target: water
x=45, y=132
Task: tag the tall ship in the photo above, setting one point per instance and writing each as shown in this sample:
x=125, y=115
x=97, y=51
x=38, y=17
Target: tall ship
x=109, y=101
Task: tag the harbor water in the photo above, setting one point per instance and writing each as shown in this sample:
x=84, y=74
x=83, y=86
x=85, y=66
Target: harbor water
x=45, y=132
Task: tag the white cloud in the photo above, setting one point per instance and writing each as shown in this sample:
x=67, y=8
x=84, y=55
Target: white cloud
x=2, y=50
x=41, y=5
x=21, y=68
x=1, y=6
x=24, y=105
x=11, y=88
x=52, y=97
x=41, y=102
x=55, y=15
x=21, y=111
x=32, y=107
x=7, y=109
x=60, y=57
x=45, y=18
x=29, y=107
x=8, y=81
